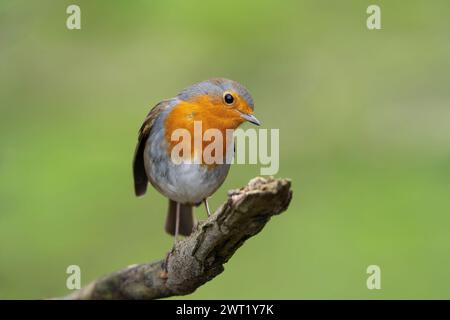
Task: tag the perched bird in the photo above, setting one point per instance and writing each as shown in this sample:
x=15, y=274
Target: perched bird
x=217, y=103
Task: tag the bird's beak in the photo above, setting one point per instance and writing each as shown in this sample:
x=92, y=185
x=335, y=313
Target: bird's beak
x=250, y=118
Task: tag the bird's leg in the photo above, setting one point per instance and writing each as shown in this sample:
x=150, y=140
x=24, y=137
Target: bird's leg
x=207, y=207
x=177, y=224
x=177, y=228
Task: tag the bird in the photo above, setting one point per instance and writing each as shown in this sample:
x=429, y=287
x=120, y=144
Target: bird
x=217, y=103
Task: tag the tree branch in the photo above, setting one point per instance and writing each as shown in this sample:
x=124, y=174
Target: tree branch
x=199, y=257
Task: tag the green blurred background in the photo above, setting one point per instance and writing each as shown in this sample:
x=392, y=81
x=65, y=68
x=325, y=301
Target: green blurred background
x=364, y=119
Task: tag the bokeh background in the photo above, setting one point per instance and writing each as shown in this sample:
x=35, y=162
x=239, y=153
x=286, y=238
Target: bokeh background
x=364, y=119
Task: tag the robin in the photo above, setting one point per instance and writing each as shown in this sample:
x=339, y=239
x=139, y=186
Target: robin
x=220, y=104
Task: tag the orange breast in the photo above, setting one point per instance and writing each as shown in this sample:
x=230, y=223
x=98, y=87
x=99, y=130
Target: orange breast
x=211, y=115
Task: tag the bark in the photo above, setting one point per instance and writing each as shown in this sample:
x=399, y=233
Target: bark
x=201, y=256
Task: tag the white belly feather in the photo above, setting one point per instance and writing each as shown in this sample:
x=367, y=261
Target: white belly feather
x=184, y=183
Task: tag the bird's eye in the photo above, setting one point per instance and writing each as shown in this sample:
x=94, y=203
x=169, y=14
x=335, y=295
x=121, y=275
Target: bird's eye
x=228, y=98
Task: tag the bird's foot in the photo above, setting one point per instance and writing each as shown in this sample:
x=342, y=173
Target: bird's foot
x=208, y=212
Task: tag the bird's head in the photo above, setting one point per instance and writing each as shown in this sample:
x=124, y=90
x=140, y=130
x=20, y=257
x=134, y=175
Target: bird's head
x=221, y=99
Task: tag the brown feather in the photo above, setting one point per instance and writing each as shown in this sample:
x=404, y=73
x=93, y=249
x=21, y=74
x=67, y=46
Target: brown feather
x=186, y=223
x=139, y=173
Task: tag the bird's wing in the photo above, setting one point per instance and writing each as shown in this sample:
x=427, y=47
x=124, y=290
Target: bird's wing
x=140, y=176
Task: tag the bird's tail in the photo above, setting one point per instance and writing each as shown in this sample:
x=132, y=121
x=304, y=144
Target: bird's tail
x=186, y=223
